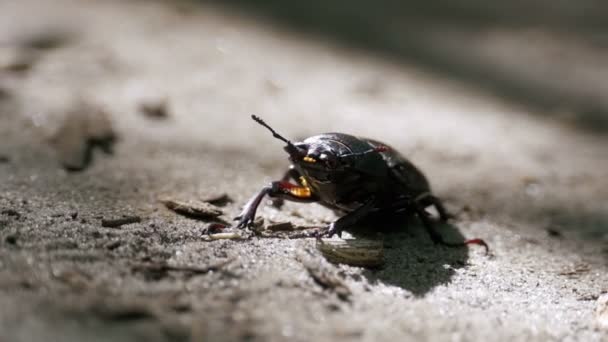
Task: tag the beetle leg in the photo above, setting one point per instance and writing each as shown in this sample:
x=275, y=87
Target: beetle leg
x=428, y=224
x=350, y=219
x=427, y=199
x=437, y=238
x=290, y=174
x=283, y=190
x=248, y=214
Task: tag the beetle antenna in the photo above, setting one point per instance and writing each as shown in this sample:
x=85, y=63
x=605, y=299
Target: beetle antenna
x=274, y=133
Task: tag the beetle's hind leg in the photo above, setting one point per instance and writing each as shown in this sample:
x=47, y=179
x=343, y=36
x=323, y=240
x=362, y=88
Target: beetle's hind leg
x=428, y=199
x=437, y=238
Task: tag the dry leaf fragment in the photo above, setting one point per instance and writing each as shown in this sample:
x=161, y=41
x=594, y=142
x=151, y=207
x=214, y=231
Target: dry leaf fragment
x=327, y=279
x=355, y=252
x=116, y=223
x=193, y=208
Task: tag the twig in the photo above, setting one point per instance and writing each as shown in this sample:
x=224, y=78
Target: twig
x=312, y=232
x=183, y=268
x=115, y=223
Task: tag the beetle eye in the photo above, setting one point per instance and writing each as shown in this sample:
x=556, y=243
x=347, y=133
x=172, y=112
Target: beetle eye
x=329, y=160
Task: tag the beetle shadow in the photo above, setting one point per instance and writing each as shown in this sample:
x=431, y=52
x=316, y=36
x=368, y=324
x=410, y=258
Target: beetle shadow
x=412, y=261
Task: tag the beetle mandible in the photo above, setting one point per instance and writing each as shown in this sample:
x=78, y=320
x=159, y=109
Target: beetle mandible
x=354, y=176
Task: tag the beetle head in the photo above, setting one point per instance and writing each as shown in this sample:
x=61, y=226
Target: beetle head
x=319, y=156
x=330, y=154
x=323, y=153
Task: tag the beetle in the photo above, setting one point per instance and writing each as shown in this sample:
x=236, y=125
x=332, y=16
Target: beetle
x=353, y=176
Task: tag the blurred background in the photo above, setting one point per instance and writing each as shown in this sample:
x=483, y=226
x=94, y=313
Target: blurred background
x=548, y=55
x=106, y=105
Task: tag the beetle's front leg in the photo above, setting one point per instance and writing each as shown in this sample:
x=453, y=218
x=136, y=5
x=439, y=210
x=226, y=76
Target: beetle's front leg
x=341, y=224
x=290, y=174
x=284, y=190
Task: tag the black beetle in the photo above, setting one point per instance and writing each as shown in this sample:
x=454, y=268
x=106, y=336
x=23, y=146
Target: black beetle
x=355, y=176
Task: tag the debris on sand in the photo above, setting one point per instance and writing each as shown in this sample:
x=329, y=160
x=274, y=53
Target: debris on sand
x=225, y=236
x=48, y=39
x=5, y=94
x=193, y=208
x=327, y=279
x=75, y=279
x=553, y=232
x=219, y=200
x=216, y=228
x=17, y=60
x=164, y=267
x=11, y=212
x=11, y=239
x=280, y=226
x=576, y=271
x=115, y=310
x=116, y=223
x=354, y=252
x=286, y=230
x=601, y=311
x=85, y=128
x=156, y=110
x=22, y=56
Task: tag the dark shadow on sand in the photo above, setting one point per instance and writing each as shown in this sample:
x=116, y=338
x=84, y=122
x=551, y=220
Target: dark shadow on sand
x=412, y=261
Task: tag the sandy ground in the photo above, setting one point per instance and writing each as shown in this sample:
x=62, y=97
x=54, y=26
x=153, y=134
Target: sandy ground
x=533, y=187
